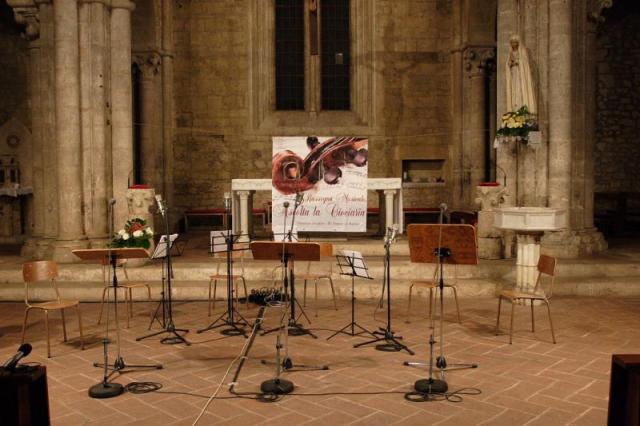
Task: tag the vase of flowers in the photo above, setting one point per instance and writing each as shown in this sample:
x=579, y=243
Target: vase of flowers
x=517, y=125
x=136, y=233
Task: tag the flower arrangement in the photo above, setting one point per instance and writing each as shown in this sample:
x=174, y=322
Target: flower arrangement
x=517, y=125
x=136, y=233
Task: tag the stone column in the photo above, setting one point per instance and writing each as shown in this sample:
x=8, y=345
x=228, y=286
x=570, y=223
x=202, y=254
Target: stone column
x=389, y=207
x=151, y=151
x=560, y=108
x=121, y=99
x=244, y=215
x=93, y=51
x=29, y=18
x=167, y=99
x=477, y=61
x=68, y=138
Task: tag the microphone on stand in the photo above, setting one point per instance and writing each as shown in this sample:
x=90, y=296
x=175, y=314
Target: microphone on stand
x=161, y=207
x=112, y=201
x=443, y=207
x=23, y=351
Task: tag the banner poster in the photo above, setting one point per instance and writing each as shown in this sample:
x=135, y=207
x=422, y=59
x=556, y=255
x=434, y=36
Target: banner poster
x=330, y=176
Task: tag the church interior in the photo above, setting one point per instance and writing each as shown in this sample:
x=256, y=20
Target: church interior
x=454, y=177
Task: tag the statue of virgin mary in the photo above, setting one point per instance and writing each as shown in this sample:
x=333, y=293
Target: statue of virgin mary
x=520, y=88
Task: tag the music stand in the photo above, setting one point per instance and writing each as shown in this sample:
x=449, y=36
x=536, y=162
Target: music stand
x=288, y=253
x=225, y=242
x=105, y=389
x=440, y=244
x=163, y=252
x=351, y=263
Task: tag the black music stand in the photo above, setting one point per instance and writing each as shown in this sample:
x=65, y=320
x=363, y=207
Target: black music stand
x=225, y=242
x=351, y=263
x=440, y=244
x=106, y=389
x=163, y=252
x=288, y=253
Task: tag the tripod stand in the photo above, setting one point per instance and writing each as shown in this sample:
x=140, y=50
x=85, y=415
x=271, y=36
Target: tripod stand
x=228, y=318
x=391, y=341
x=167, y=275
x=463, y=239
x=353, y=263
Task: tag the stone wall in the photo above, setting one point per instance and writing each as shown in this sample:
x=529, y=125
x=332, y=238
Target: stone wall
x=617, y=151
x=13, y=69
x=218, y=138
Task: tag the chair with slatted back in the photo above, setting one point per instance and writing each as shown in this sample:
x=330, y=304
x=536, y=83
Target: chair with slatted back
x=127, y=286
x=432, y=285
x=45, y=270
x=546, y=266
x=221, y=274
x=311, y=274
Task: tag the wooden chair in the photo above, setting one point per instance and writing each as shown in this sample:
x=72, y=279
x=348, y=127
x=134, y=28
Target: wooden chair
x=46, y=270
x=127, y=286
x=432, y=285
x=546, y=266
x=326, y=251
x=221, y=274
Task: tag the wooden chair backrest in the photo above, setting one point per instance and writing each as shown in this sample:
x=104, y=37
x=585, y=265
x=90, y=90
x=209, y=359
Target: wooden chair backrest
x=546, y=266
x=42, y=270
x=326, y=251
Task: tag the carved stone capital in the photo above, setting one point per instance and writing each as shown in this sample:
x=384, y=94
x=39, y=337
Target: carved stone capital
x=148, y=62
x=479, y=60
x=25, y=13
x=596, y=8
x=489, y=197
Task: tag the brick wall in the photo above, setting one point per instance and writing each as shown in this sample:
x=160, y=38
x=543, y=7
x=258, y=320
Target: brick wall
x=617, y=152
x=216, y=139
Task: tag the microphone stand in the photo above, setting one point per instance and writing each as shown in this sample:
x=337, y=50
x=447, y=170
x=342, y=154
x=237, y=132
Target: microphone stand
x=390, y=339
x=167, y=312
x=431, y=385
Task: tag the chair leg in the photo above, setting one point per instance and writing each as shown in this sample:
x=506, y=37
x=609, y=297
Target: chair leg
x=46, y=327
x=553, y=334
x=408, y=320
x=498, y=318
x=246, y=294
x=315, y=285
x=150, y=301
x=129, y=311
x=64, y=326
x=104, y=293
x=333, y=292
x=80, y=327
x=304, y=295
x=430, y=303
x=455, y=296
x=533, y=321
x=131, y=302
x=513, y=309
x=24, y=324
x=209, y=304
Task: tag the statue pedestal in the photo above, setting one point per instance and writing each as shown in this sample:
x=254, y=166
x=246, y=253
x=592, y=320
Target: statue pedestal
x=489, y=238
x=139, y=202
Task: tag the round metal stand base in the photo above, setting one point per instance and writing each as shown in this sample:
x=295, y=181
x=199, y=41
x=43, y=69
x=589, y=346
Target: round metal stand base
x=232, y=332
x=105, y=390
x=428, y=386
x=388, y=347
x=276, y=387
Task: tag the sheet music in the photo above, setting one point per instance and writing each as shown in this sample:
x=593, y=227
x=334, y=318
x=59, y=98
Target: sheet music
x=356, y=261
x=161, y=248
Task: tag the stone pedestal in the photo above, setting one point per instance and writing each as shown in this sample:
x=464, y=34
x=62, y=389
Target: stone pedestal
x=139, y=204
x=489, y=238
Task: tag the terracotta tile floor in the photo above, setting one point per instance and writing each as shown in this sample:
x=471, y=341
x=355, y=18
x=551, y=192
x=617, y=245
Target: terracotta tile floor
x=531, y=382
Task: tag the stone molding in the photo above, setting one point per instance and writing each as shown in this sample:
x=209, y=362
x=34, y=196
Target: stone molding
x=123, y=4
x=25, y=13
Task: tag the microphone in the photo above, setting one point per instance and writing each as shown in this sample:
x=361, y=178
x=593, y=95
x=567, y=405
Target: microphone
x=285, y=204
x=299, y=197
x=443, y=207
x=392, y=233
x=160, y=204
x=112, y=201
x=23, y=351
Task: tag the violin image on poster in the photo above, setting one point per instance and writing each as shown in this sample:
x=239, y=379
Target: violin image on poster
x=292, y=174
